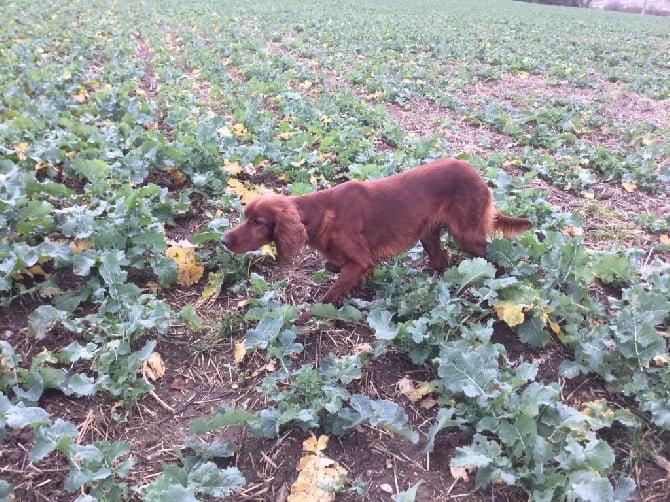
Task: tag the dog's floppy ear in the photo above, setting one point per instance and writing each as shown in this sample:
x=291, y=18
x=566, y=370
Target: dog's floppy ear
x=289, y=233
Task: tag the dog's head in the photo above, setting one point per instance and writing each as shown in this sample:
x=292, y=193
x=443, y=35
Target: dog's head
x=267, y=219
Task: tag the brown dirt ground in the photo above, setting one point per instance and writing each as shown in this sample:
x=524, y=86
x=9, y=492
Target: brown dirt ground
x=201, y=373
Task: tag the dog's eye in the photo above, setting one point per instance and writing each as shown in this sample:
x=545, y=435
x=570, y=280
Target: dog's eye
x=258, y=222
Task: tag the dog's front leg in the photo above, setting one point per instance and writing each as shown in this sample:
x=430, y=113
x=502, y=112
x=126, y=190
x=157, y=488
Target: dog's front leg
x=350, y=275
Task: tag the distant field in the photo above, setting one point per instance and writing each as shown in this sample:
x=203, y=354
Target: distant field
x=139, y=360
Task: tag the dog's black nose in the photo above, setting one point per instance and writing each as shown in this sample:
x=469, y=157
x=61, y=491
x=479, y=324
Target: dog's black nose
x=226, y=240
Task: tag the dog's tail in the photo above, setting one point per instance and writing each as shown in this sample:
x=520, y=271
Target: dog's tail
x=509, y=226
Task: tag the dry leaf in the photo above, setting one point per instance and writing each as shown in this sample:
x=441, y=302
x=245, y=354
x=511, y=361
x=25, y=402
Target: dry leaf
x=406, y=387
x=660, y=361
x=573, y=231
x=80, y=245
x=20, y=150
x=178, y=384
x=315, y=470
x=428, y=403
x=153, y=368
x=42, y=167
x=81, y=96
x=239, y=352
x=461, y=473
x=665, y=239
x=629, y=186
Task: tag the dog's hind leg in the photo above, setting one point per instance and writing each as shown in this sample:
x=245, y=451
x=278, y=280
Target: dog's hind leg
x=432, y=244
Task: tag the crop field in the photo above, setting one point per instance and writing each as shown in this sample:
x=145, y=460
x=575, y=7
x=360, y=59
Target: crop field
x=140, y=360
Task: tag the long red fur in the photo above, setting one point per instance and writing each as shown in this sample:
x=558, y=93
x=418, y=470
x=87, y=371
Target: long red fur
x=356, y=224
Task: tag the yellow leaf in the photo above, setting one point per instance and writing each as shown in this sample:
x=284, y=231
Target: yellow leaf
x=629, y=186
x=224, y=131
x=268, y=250
x=665, y=239
x=233, y=168
x=238, y=129
x=239, y=352
x=213, y=286
x=41, y=167
x=510, y=312
x=190, y=269
x=151, y=126
x=285, y=136
x=553, y=325
x=238, y=188
x=573, y=231
x=20, y=150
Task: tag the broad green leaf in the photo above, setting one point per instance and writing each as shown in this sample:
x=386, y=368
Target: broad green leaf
x=588, y=486
x=346, y=313
x=42, y=319
x=209, y=480
x=611, y=269
x=20, y=415
x=443, y=420
x=61, y=435
x=380, y=321
x=409, y=495
x=224, y=418
x=473, y=373
x=80, y=385
x=94, y=171
x=189, y=315
x=264, y=333
x=474, y=271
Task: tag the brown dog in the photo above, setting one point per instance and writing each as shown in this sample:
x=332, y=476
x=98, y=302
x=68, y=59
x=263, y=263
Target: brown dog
x=356, y=224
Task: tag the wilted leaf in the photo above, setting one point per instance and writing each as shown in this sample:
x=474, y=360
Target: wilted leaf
x=510, y=312
x=178, y=178
x=629, y=186
x=238, y=129
x=190, y=269
x=237, y=187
